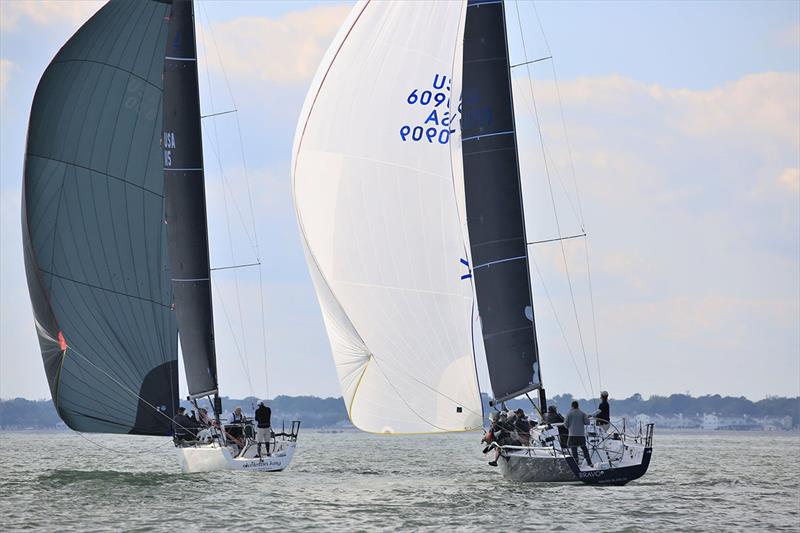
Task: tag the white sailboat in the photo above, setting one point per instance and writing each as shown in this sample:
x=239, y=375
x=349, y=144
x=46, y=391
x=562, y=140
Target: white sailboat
x=407, y=191
x=116, y=240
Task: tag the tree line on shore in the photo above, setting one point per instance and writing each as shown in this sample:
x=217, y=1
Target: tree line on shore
x=314, y=412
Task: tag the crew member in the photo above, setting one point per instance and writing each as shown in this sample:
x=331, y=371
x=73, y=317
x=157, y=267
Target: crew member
x=575, y=422
x=263, y=423
x=554, y=417
x=603, y=414
x=523, y=426
x=182, y=425
x=235, y=429
x=237, y=417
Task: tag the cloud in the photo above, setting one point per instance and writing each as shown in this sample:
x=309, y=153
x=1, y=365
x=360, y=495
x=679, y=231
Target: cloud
x=790, y=179
x=13, y=14
x=790, y=37
x=694, y=239
x=6, y=66
x=285, y=50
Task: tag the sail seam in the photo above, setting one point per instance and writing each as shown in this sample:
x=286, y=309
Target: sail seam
x=404, y=289
x=114, y=67
x=127, y=388
x=134, y=327
x=161, y=320
x=111, y=335
x=106, y=174
x=139, y=316
x=120, y=293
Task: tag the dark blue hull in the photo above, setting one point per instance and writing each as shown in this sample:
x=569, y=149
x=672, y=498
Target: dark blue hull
x=612, y=476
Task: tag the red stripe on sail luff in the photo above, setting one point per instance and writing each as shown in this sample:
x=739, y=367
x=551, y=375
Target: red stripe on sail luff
x=62, y=343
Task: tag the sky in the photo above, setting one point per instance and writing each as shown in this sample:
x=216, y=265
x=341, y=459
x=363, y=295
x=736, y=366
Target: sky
x=678, y=121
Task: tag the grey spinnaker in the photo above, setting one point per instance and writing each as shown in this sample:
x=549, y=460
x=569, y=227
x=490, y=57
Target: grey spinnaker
x=93, y=231
x=494, y=205
x=185, y=201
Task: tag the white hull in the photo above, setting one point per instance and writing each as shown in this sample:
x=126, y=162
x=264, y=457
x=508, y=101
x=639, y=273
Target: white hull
x=213, y=457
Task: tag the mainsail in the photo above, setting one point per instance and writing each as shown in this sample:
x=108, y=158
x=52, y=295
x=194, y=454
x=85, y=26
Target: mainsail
x=374, y=193
x=185, y=200
x=92, y=220
x=494, y=210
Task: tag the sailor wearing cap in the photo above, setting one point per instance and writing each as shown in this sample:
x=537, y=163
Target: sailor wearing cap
x=263, y=423
x=603, y=414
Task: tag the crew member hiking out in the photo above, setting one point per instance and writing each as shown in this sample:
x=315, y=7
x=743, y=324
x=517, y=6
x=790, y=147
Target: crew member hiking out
x=182, y=425
x=575, y=422
x=263, y=423
x=554, y=417
x=523, y=426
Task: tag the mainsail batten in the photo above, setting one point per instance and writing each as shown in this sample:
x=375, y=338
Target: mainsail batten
x=92, y=218
x=373, y=190
x=494, y=210
x=185, y=202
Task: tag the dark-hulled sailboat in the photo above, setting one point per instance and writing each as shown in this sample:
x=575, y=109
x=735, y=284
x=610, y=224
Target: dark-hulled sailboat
x=115, y=233
x=407, y=191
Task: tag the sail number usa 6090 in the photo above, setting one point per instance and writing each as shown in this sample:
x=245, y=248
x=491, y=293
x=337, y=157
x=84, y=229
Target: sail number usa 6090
x=434, y=102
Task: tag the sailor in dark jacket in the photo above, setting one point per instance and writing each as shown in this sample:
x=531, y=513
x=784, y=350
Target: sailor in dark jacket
x=603, y=413
x=523, y=426
x=263, y=423
x=554, y=417
x=183, y=425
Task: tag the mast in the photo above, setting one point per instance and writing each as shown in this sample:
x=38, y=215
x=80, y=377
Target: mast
x=495, y=216
x=185, y=204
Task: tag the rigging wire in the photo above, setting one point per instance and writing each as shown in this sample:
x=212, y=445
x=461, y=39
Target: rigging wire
x=242, y=358
x=226, y=193
x=254, y=241
x=436, y=391
x=552, y=199
x=238, y=129
x=558, y=322
x=577, y=193
x=263, y=330
x=124, y=387
x=230, y=267
x=114, y=450
x=210, y=115
x=544, y=241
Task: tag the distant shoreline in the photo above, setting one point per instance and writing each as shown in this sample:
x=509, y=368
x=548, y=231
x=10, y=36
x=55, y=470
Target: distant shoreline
x=675, y=413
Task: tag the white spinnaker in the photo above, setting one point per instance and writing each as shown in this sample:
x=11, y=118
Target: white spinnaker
x=379, y=219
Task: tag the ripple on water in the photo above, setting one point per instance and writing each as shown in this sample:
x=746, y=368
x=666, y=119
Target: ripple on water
x=355, y=481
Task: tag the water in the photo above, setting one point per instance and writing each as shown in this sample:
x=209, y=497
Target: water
x=354, y=481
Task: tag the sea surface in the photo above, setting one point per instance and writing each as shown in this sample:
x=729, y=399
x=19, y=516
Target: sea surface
x=60, y=481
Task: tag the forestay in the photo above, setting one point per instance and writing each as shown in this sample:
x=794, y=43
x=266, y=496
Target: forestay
x=375, y=198
x=92, y=221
